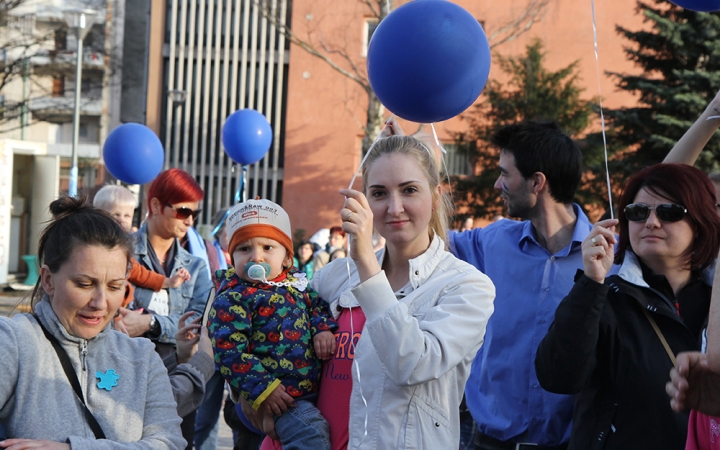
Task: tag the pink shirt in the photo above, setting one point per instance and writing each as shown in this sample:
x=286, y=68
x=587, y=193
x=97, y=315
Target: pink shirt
x=703, y=432
x=336, y=381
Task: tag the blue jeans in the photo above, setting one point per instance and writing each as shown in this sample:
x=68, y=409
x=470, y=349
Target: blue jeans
x=468, y=430
x=303, y=428
x=206, y=421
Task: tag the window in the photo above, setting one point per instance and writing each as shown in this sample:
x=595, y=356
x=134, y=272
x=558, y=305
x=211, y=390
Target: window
x=368, y=29
x=458, y=161
x=60, y=40
x=25, y=24
x=58, y=88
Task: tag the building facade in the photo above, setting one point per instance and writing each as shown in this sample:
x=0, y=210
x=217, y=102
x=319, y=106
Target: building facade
x=226, y=55
x=37, y=96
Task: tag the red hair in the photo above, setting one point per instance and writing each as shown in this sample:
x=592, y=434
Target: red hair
x=337, y=230
x=174, y=186
x=684, y=185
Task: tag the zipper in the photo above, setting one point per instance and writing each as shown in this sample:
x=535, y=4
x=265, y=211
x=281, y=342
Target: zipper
x=83, y=354
x=667, y=301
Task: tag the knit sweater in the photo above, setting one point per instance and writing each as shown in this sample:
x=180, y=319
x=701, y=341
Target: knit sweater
x=38, y=402
x=262, y=334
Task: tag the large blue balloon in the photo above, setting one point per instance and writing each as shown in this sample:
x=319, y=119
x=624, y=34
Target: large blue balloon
x=428, y=61
x=699, y=5
x=246, y=136
x=133, y=153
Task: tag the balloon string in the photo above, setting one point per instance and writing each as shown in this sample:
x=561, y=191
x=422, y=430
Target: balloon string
x=602, y=116
x=240, y=194
x=443, y=163
x=357, y=172
x=347, y=265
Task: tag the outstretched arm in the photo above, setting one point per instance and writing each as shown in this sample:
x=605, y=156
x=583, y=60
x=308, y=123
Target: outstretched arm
x=688, y=148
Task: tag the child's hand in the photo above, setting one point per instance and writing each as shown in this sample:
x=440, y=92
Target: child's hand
x=278, y=401
x=187, y=337
x=324, y=343
x=181, y=276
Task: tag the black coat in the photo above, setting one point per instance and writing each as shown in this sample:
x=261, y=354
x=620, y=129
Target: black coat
x=602, y=348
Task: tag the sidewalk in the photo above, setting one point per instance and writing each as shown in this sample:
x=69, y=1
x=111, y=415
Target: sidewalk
x=225, y=438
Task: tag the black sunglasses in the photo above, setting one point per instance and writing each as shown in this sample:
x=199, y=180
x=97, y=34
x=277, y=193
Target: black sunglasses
x=667, y=212
x=184, y=212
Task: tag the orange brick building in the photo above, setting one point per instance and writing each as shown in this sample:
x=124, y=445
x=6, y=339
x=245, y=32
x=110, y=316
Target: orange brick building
x=316, y=111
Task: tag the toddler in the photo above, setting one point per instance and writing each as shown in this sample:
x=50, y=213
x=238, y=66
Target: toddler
x=262, y=322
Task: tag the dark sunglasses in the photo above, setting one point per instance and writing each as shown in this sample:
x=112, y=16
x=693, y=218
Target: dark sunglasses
x=184, y=212
x=667, y=212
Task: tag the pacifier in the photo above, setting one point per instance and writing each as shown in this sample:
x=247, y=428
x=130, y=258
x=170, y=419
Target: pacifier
x=257, y=271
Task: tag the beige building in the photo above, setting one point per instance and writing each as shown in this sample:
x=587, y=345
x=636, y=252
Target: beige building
x=37, y=113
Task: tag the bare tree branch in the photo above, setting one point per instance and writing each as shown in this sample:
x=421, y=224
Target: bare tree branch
x=353, y=66
x=514, y=28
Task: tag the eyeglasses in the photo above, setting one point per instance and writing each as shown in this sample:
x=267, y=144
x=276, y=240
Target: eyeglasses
x=184, y=212
x=667, y=212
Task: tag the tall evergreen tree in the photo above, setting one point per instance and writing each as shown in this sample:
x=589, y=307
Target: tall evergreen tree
x=679, y=54
x=531, y=92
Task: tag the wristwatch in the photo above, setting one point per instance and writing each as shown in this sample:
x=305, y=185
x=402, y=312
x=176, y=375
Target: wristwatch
x=154, y=326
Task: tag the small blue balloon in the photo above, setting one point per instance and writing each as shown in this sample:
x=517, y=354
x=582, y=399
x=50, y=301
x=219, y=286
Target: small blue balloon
x=133, y=153
x=699, y=5
x=246, y=136
x=428, y=61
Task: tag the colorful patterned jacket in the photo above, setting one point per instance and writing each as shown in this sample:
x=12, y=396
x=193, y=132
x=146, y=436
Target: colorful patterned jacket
x=262, y=334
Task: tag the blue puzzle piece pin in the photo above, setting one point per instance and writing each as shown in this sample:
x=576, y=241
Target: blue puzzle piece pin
x=107, y=379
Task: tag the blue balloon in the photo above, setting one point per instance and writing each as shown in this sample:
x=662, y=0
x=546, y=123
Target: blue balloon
x=699, y=5
x=133, y=153
x=246, y=136
x=428, y=61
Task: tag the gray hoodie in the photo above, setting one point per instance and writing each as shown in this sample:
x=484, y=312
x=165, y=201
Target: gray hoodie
x=38, y=402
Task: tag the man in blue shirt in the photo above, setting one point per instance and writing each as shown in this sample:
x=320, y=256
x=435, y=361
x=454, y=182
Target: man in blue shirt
x=532, y=264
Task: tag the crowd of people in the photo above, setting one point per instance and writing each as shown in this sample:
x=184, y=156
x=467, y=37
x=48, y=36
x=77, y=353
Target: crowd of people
x=389, y=330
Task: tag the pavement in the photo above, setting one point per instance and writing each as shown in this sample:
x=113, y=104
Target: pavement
x=14, y=301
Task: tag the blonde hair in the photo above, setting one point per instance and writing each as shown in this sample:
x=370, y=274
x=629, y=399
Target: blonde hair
x=427, y=160
x=113, y=195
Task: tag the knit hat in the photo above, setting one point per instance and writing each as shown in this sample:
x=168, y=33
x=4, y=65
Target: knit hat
x=258, y=218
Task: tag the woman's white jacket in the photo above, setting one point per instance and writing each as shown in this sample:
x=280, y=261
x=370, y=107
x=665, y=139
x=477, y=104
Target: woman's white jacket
x=414, y=355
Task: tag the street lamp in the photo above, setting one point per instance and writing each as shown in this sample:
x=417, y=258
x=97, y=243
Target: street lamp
x=177, y=96
x=79, y=23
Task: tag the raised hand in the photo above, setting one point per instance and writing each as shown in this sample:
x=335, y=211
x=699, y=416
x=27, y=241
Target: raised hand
x=598, y=250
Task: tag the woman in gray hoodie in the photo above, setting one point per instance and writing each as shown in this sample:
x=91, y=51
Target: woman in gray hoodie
x=122, y=398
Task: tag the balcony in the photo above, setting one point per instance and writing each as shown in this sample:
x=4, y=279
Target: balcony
x=60, y=109
x=84, y=150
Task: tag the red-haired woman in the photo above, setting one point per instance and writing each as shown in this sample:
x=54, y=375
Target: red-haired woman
x=612, y=339
x=173, y=200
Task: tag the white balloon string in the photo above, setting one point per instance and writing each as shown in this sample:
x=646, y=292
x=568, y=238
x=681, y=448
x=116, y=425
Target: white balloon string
x=437, y=141
x=443, y=163
x=347, y=265
x=602, y=116
x=357, y=370
x=357, y=172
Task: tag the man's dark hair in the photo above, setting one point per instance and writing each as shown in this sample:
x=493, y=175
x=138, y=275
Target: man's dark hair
x=541, y=146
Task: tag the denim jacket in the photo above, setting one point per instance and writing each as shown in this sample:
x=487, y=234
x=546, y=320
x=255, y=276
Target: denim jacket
x=191, y=295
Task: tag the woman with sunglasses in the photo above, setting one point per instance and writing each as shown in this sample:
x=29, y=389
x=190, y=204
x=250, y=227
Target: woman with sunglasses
x=173, y=200
x=613, y=340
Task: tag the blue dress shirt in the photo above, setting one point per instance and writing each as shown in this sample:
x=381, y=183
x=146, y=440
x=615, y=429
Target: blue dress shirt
x=503, y=393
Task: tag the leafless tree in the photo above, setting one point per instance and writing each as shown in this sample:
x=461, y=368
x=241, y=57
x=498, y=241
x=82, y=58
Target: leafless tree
x=34, y=54
x=353, y=67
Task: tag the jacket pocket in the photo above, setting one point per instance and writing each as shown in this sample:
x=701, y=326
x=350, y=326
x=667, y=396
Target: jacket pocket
x=428, y=425
x=604, y=426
